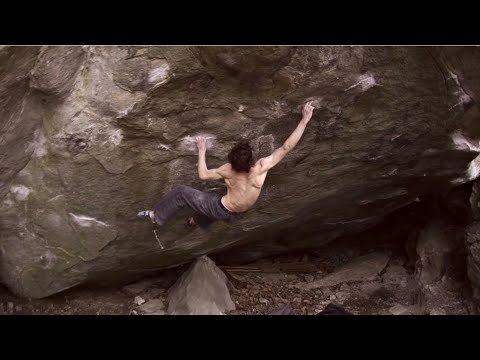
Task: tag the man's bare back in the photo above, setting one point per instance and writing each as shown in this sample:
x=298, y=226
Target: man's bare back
x=243, y=188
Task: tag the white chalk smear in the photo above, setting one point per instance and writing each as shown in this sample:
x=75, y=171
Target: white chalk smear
x=86, y=221
x=116, y=137
x=39, y=144
x=366, y=81
x=189, y=143
x=21, y=192
x=159, y=75
x=55, y=198
x=165, y=147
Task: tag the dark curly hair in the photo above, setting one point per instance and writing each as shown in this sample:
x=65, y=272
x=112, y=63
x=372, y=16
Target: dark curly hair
x=241, y=157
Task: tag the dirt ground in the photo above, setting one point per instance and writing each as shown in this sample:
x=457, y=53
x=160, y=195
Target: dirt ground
x=393, y=291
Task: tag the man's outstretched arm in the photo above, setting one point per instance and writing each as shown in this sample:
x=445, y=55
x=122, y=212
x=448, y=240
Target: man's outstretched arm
x=203, y=172
x=268, y=162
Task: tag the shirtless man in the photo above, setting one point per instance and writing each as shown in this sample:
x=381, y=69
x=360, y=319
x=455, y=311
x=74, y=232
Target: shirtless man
x=243, y=176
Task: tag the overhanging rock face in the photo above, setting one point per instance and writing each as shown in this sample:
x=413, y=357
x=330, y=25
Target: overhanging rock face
x=91, y=135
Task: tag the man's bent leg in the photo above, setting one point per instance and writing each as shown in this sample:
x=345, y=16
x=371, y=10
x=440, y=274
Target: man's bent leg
x=180, y=197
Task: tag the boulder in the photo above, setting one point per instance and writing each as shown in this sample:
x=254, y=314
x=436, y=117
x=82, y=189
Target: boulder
x=90, y=135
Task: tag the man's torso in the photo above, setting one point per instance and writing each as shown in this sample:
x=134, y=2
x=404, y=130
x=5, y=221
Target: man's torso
x=243, y=188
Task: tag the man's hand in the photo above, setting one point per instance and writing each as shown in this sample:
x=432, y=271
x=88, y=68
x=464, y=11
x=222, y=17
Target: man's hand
x=201, y=144
x=307, y=112
x=203, y=172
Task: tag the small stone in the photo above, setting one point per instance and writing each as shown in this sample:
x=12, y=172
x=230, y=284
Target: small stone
x=297, y=300
x=306, y=301
x=333, y=297
x=438, y=312
x=133, y=312
x=138, y=300
x=309, y=278
x=152, y=306
x=398, y=310
x=263, y=301
x=327, y=292
x=160, y=312
x=137, y=288
x=317, y=311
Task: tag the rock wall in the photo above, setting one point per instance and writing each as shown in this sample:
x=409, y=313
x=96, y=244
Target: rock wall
x=90, y=135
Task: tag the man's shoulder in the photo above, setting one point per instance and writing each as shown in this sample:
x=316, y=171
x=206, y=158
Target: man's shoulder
x=225, y=170
x=225, y=167
x=261, y=165
x=263, y=161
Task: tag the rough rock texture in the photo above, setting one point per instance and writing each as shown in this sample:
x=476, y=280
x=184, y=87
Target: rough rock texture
x=90, y=135
x=473, y=245
x=396, y=274
x=441, y=265
x=202, y=290
x=404, y=310
x=434, y=247
x=153, y=307
x=365, y=267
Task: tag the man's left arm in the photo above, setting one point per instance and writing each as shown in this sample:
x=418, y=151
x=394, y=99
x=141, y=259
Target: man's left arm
x=203, y=172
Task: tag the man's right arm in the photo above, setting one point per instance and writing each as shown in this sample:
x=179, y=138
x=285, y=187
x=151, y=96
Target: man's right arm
x=269, y=162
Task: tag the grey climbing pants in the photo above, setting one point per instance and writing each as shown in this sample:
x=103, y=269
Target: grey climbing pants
x=208, y=206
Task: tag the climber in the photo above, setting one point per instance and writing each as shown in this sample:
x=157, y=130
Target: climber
x=243, y=176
